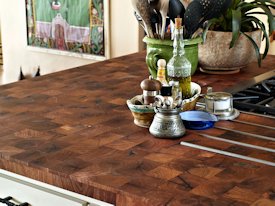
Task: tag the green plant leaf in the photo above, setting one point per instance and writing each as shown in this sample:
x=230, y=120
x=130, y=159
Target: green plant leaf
x=265, y=34
x=264, y=2
x=265, y=8
x=239, y=4
x=271, y=21
x=236, y=26
x=257, y=51
x=248, y=7
x=205, y=30
x=256, y=12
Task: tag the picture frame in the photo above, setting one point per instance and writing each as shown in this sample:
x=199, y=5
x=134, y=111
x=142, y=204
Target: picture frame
x=76, y=28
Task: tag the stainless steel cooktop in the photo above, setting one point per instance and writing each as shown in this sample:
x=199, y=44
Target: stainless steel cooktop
x=256, y=95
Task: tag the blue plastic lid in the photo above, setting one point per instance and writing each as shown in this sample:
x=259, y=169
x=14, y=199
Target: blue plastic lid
x=198, y=120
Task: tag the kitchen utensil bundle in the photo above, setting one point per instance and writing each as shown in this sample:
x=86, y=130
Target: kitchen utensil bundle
x=142, y=8
x=199, y=11
x=167, y=102
x=155, y=13
x=167, y=122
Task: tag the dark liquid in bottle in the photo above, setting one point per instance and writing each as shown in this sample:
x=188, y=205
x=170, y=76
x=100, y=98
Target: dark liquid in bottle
x=185, y=85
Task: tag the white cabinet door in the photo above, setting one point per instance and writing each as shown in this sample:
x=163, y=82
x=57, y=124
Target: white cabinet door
x=36, y=193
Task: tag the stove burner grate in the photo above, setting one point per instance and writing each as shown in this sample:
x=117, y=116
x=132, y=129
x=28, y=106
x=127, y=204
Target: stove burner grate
x=259, y=98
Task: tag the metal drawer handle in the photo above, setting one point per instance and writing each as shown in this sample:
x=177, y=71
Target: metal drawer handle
x=8, y=203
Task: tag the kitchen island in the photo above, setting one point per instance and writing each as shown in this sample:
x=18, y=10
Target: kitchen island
x=73, y=130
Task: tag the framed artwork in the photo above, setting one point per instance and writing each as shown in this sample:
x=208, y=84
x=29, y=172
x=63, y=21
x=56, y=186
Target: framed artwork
x=69, y=27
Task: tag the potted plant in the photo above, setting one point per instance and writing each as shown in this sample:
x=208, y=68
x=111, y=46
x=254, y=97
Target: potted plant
x=154, y=16
x=233, y=40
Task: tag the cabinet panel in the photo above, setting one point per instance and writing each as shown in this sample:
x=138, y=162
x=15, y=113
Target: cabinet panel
x=36, y=193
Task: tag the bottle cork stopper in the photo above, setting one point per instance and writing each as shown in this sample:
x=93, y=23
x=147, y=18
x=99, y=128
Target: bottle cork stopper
x=178, y=22
x=161, y=63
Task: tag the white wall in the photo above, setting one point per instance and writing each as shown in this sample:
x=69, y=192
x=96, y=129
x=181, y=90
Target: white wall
x=272, y=44
x=264, y=19
x=124, y=39
x=124, y=28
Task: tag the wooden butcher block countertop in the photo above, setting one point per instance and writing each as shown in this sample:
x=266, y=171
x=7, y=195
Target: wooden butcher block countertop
x=72, y=129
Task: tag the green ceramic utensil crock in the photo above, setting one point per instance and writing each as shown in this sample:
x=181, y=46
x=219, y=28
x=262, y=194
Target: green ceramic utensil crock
x=163, y=49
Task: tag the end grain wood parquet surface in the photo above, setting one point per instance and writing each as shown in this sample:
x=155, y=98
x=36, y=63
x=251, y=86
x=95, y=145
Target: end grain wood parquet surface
x=72, y=129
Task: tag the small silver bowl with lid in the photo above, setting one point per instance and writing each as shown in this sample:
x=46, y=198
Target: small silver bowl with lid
x=220, y=104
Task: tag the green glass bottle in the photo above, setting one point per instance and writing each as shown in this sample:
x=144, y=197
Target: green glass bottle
x=179, y=67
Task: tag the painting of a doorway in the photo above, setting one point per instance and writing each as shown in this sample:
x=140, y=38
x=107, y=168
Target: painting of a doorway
x=76, y=26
